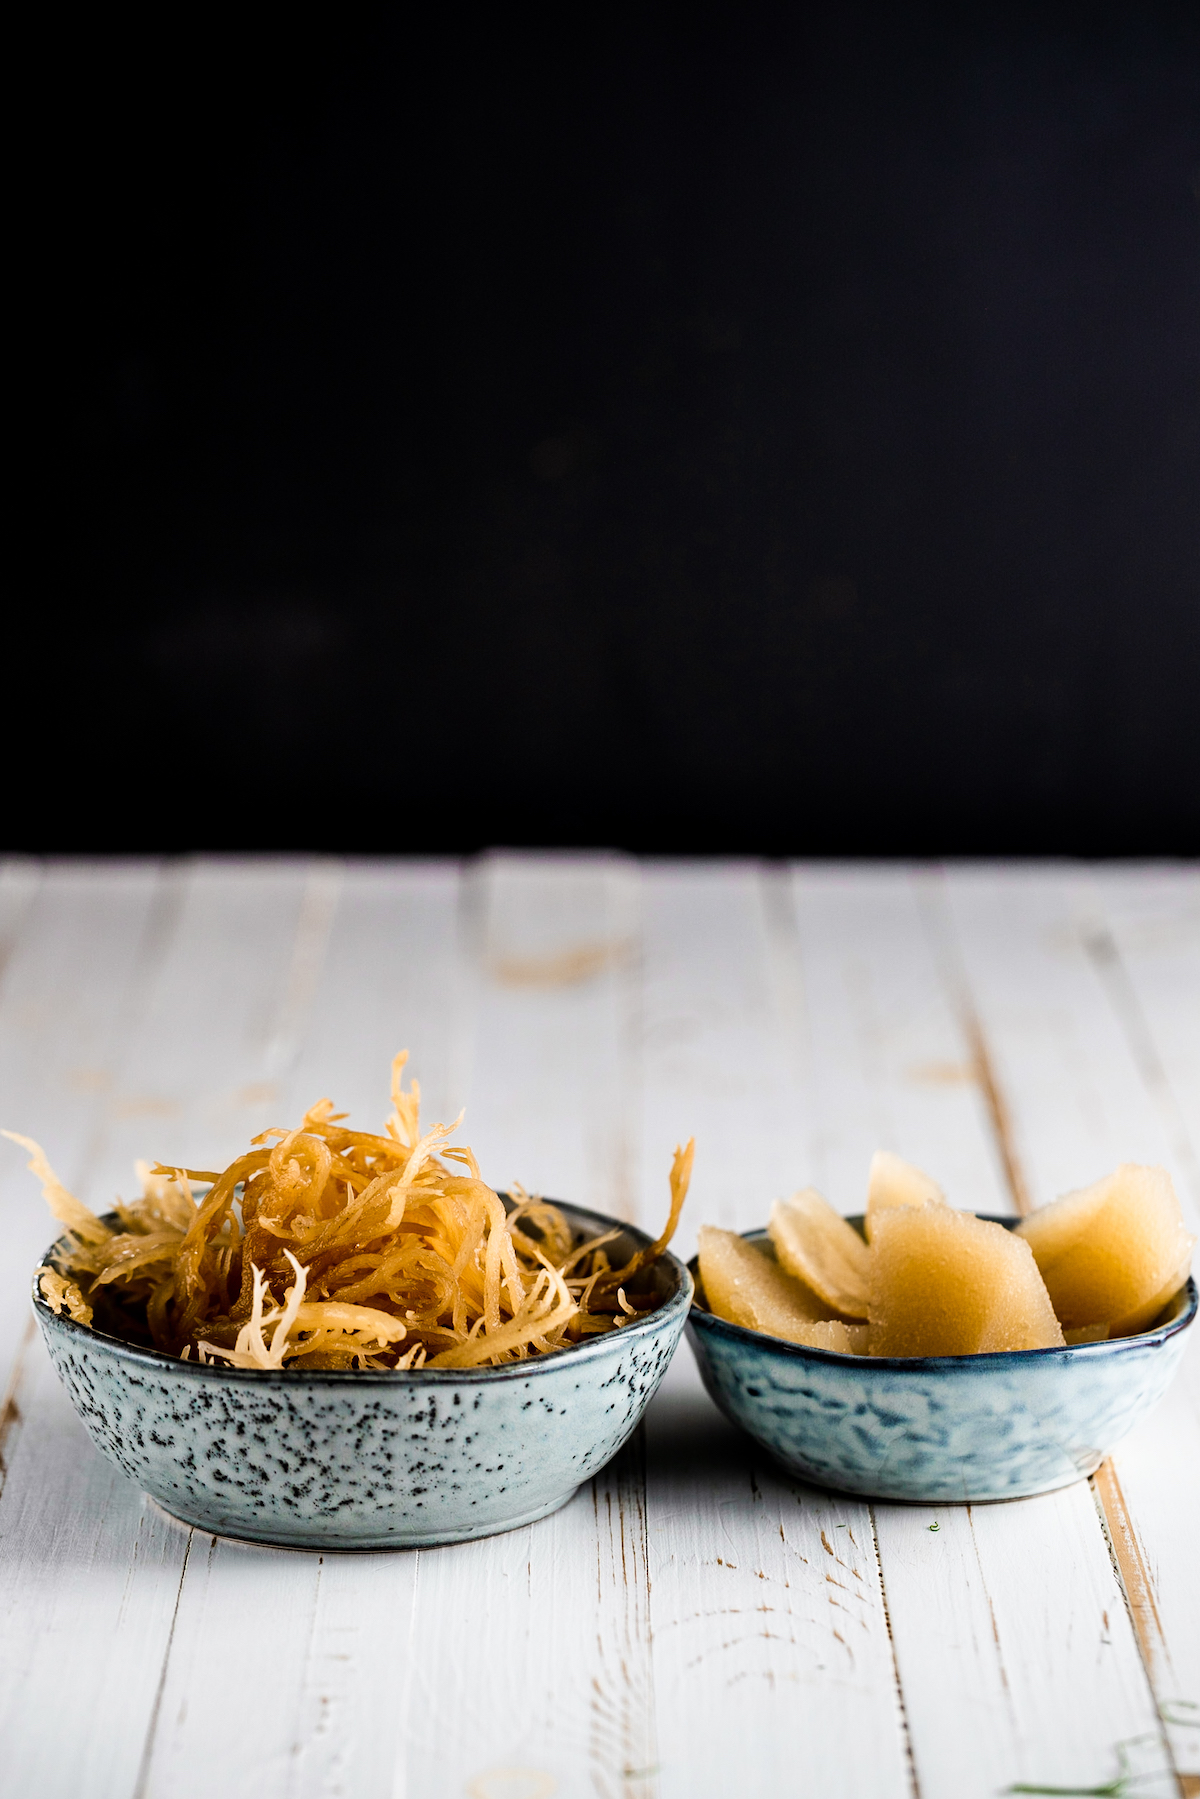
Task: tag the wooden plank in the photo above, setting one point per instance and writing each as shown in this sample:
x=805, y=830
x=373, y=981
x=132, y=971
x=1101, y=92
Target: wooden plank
x=89, y=1578
x=20, y=879
x=719, y=1054
x=1015, y=1650
x=205, y=1003
x=1077, y=1102
x=791, y=1038
x=1064, y=1059
x=544, y=1611
x=888, y=1064
x=392, y=978
x=312, y=1734
x=277, y=1681
x=80, y=950
x=325, y=1710
x=554, y=1049
x=1143, y=939
x=985, y=1704
x=546, y=1685
x=1140, y=928
x=76, y=973
x=208, y=1064
x=771, y=1659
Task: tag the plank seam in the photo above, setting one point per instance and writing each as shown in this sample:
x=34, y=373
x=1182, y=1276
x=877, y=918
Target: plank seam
x=898, y=1684
x=307, y=1680
x=400, y=1784
x=1100, y=946
x=1132, y=1577
x=1126, y=1554
x=1137, y=1586
x=319, y=902
x=1116, y=1525
x=948, y=959
x=143, y=1777
x=157, y=927
x=632, y=1496
x=10, y=1412
x=997, y=1106
x=8, y=942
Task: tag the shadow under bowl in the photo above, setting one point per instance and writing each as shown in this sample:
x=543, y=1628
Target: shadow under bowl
x=937, y=1428
x=348, y=1459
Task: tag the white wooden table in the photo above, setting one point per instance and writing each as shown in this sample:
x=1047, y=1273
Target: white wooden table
x=693, y=1623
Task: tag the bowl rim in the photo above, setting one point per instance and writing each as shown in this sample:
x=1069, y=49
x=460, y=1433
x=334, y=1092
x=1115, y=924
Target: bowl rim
x=646, y=1326
x=700, y=1317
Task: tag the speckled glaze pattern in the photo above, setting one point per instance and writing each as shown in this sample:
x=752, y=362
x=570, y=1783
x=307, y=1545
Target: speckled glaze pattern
x=938, y=1428
x=346, y=1460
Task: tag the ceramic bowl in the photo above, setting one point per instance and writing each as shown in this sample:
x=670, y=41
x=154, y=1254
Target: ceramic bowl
x=364, y=1460
x=937, y=1428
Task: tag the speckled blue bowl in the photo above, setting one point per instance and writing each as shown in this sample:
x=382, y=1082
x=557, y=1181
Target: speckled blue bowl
x=361, y=1460
x=937, y=1428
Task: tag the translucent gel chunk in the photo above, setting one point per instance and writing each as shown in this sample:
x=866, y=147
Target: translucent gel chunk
x=895, y=1182
x=1143, y=1316
x=816, y=1245
x=842, y=1339
x=746, y=1286
x=1113, y=1253
x=1087, y=1333
x=944, y=1282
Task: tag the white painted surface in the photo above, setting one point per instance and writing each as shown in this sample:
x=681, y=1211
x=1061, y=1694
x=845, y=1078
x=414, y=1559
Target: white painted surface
x=992, y=1694
x=694, y=1622
x=1095, y=1038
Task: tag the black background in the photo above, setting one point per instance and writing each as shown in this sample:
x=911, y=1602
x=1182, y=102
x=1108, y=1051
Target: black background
x=773, y=433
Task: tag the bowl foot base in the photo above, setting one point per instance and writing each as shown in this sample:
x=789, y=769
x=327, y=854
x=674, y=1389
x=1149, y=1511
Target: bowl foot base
x=335, y=1539
x=892, y=1492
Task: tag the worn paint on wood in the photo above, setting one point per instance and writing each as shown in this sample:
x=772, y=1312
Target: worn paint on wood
x=695, y=1621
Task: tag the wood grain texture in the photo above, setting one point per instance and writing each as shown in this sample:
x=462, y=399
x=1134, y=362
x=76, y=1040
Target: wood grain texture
x=184, y=1053
x=89, y=1579
x=1141, y=931
x=19, y=882
x=1038, y=949
x=365, y=962
x=694, y=1622
x=765, y=1594
x=1142, y=934
x=891, y=1066
x=553, y=947
x=74, y=979
x=551, y=1648
x=887, y=1017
